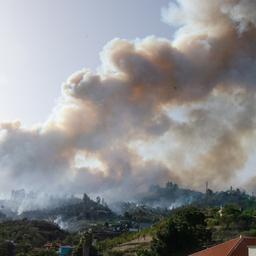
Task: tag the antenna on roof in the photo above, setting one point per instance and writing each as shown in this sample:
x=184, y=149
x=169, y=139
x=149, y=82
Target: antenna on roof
x=206, y=187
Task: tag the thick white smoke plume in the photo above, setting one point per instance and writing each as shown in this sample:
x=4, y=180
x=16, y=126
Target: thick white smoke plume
x=158, y=110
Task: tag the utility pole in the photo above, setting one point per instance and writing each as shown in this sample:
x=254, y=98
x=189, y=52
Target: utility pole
x=87, y=244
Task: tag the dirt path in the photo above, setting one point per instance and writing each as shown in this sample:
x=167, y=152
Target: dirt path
x=140, y=242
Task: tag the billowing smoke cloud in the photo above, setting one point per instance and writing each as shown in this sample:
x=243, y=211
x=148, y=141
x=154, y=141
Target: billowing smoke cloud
x=157, y=110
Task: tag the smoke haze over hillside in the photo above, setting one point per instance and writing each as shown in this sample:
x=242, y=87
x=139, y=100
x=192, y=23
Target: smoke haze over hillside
x=157, y=110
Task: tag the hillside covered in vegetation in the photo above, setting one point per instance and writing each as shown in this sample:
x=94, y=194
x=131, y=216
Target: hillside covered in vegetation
x=139, y=228
x=172, y=196
x=29, y=235
x=81, y=209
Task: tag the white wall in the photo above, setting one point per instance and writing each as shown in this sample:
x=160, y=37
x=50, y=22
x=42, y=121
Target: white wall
x=251, y=250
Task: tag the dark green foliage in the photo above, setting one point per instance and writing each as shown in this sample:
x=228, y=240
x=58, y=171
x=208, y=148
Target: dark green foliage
x=40, y=252
x=29, y=234
x=81, y=209
x=173, y=196
x=142, y=213
x=170, y=196
x=237, y=197
x=143, y=252
x=7, y=248
x=185, y=231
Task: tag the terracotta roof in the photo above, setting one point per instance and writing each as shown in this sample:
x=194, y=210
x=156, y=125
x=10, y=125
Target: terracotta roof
x=234, y=247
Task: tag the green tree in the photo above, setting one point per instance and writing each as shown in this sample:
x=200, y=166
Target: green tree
x=230, y=215
x=184, y=232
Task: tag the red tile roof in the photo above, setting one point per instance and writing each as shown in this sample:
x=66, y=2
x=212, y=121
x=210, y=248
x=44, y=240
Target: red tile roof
x=234, y=247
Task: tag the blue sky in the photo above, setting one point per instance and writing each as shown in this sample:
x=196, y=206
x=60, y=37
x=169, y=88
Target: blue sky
x=44, y=41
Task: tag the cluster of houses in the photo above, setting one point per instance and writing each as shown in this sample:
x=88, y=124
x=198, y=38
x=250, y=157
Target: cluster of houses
x=241, y=246
x=63, y=250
